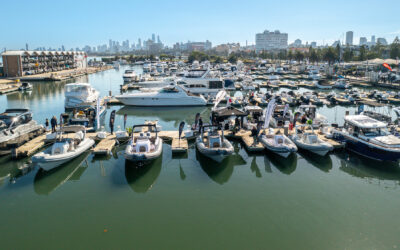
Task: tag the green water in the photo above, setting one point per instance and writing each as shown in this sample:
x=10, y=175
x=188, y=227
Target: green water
x=188, y=202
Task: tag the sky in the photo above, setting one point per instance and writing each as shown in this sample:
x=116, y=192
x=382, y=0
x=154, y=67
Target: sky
x=76, y=23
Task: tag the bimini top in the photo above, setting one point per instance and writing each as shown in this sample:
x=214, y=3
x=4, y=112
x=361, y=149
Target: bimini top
x=363, y=121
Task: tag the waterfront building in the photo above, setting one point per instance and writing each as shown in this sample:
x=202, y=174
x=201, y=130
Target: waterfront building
x=271, y=40
x=20, y=62
x=313, y=44
x=349, y=38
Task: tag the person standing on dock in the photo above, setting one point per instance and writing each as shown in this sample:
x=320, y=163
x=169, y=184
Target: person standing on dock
x=53, y=124
x=112, y=125
x=47, y=124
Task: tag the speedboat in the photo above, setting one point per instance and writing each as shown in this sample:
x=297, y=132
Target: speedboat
x=145, y=146
x=279, y=144
x=341, y=84
x=368, y=137
x=311, y=112
x=129, y=75
x=214, y=145
x=310, y=141
x=25, y=86
x=167, y=96
x=80, y=94
x=64, y=149
x=17, y=126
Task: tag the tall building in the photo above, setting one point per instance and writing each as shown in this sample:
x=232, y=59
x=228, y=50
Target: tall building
x=363, y=41
x=158, y=39
x=26, y=47
x=271, y=40
x=139, y=45
x=297, y=43
x=349, y=38
x=153, y=38
x=373, y=40
x=313, y=44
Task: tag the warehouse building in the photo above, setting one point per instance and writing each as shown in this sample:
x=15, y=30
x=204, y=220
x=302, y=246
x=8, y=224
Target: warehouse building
x=20, y=62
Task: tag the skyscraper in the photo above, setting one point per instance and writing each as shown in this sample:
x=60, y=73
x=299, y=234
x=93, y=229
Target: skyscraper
x=158, y=39
x=349, y=38
x=372, y=40
x=153, y=37
x=363, y=41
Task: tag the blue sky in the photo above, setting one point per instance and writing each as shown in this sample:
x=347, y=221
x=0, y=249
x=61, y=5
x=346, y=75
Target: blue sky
x=77, y=23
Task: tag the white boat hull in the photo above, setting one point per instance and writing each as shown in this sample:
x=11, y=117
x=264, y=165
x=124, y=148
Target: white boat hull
x=48, y=162
x=154, y=102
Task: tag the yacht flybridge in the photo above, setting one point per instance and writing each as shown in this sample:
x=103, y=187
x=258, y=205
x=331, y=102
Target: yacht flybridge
x=129, y=75
x=173, y=95
x=80, y=94
x=201, y=81
x=368, y=137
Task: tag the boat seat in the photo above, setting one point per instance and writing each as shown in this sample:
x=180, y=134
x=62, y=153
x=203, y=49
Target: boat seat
x=279, y=139
x=312, y=139
x=214, y=141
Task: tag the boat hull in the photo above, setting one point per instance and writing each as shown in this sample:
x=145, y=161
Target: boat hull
x=144, y=158
x=162, y=102
x=216, y=154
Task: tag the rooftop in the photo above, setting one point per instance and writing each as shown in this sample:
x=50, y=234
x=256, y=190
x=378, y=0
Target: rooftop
x=363, y=121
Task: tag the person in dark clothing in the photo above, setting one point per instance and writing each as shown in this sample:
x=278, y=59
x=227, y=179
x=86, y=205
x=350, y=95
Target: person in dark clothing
x=200, y=124
x=254, y=131
x=53, y=123
x=112, y=125
x=47, y=124
x=303, y=119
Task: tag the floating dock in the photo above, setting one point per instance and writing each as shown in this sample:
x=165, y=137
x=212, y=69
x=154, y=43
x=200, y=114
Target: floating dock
x=249, y=141
x=9, y=88
x=105, y=146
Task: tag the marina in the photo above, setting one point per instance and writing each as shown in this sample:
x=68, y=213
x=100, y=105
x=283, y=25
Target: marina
x=318, y=181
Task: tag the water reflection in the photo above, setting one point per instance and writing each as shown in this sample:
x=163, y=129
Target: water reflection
x=285, y=165
x=220, y=172
x=142, y=178
x=12, y=170
x=46, y=182
x=324, y=163
x=365, y=168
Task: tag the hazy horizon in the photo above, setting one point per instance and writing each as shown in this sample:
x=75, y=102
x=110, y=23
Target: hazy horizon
x=79, y=23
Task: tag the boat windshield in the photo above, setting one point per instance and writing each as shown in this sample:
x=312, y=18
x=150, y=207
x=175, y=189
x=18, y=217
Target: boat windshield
x=169, y=90
x=76, y=88
x=373, y=132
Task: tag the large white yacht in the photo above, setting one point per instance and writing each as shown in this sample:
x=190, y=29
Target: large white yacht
x=201, y=81
x=167, y=96
x=129, y=75
x=80, y=94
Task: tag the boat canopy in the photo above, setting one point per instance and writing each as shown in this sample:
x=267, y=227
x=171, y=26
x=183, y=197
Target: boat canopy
x=363, y=121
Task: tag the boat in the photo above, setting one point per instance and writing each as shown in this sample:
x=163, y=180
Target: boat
x=323, y=84
x=167, y=96
x=311, y=113
x=368, y=137
x=342, y=84
x=145, y=146
x=314, y=76
x=25, y=86
x=64, y=149
x=309, y=141
x=201, y=81
x=86, y=117
x=16, y=127
x=213, y=145
x=279, y=144
x=80, y=94
x=129, y=75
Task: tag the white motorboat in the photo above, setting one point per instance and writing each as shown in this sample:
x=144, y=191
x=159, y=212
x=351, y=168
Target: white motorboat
x=129, y=75
x=79, y=95
x=25, y=86
x=144, y=147
x=64, y=149
x=368, y=137
x=17, y=126
x=341, y=84
x=311, y=113
x=167, y=96
x=314, y=76
x=214, y=145
x=310, y=141
x=277, y=143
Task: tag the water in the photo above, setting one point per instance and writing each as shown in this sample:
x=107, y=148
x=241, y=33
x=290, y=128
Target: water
x=249, y=201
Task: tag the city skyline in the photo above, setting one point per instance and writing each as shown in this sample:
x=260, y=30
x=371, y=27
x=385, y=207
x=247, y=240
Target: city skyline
x=94, y=23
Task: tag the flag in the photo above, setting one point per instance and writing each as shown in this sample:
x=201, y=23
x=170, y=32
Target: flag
x=218, y=98
x=98, y=114
x=181, y=126
x=387, y=66
x=268, y=113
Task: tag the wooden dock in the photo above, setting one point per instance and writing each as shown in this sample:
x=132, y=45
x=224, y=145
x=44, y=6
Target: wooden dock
x=9, y=88
x=105, y=146
x=250, y=144
x=29, y=148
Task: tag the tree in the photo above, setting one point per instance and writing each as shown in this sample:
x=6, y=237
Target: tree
x=232, y=58
x=329, y=55
x=348, y=55
x=313, y=55
x=363, y=53
x=290, y=55
x=395, y=48
x=299, y=56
